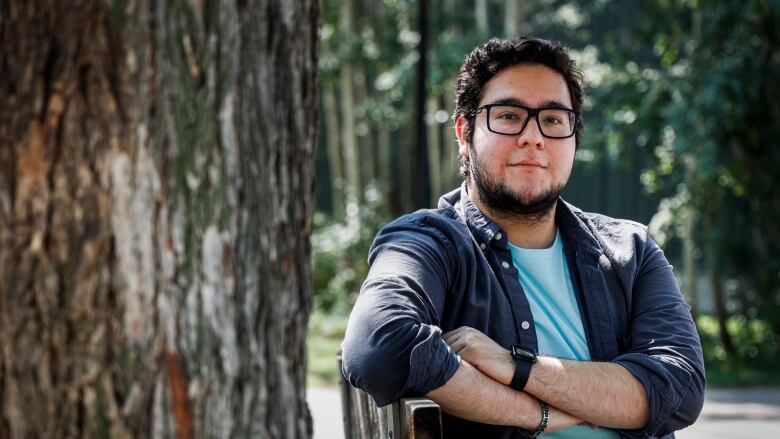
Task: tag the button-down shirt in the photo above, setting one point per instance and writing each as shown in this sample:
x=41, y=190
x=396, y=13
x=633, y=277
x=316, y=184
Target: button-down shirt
x=437, y=270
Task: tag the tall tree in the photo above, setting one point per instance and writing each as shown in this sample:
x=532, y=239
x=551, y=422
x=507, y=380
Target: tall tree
x=481, y=15
x=156, y=185
x=422, y=187
x=348, y=137
x=335, y=162
x=514, y=18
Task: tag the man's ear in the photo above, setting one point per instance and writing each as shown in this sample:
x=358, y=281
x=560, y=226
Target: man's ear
x=460, y=133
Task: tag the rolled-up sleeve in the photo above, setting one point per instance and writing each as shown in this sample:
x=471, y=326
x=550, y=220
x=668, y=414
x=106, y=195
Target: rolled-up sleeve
x=664, y=351
x=393, y=345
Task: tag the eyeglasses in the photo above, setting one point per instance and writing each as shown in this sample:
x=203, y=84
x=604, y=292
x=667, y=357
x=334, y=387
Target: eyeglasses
x=511, y=119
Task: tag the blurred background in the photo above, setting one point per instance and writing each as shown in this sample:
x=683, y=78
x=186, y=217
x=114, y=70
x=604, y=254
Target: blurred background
x=682, y=121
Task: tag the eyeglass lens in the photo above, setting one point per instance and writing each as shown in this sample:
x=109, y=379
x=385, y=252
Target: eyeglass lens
x=511, y=120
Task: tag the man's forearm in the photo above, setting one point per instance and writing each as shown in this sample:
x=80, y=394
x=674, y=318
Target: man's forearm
x=604, y=394
x=472, y=395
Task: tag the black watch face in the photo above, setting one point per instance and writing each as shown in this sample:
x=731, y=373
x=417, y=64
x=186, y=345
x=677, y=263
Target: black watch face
x=523, y=354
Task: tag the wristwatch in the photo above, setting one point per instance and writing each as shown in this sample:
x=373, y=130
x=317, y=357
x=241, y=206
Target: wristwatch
x=524, y=360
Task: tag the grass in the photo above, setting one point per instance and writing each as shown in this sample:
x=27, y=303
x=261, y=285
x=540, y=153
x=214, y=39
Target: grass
x=323, y=370
x=323, y=344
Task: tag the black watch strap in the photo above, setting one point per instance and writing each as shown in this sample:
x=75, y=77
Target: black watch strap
x=522, y=372
x=524, y=360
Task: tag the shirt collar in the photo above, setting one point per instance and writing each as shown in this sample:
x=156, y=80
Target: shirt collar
x=482, y=227
x=574, y=227
x=570, y=221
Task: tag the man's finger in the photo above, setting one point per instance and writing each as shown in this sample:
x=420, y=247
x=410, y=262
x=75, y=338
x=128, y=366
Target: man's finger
x=457, y=345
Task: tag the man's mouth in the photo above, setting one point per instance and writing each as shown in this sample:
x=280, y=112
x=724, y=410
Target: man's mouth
x=528, y=163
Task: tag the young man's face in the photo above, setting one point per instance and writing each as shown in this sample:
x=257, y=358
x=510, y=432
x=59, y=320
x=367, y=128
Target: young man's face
x=529, y=167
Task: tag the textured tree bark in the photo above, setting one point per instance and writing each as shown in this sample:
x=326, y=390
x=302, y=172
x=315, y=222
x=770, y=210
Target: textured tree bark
x=156, y=187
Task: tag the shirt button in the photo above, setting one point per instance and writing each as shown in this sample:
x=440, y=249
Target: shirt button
x=525, y=325
x=498, y=236
x=482, y=246
x=505, y=264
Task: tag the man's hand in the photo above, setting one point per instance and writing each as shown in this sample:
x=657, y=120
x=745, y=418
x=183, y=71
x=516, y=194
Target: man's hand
x=560, y=420
x=482, y=352
x=490, y=358
x=472, y=395
x=602, y=393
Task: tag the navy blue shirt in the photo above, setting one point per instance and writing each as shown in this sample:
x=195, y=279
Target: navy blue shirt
x=437, y=270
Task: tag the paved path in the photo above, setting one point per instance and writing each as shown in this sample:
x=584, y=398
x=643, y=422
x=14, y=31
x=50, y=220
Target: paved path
x=325, y=406
x=727, y=413
x=737, y=413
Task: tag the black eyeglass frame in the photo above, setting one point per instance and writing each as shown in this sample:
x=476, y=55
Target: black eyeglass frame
x=532, y=112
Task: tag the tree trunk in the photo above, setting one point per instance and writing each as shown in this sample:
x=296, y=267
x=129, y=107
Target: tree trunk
x=720, y=312
x=689, y=263
x=156, y=187
x=434, y=158
x=334, y=152
x=449, y=145
x=407, y=161
x=353, y=189
x=514, y=18
x=364, y=143
x=422, y=186
x=384, y=173
x=481, y=15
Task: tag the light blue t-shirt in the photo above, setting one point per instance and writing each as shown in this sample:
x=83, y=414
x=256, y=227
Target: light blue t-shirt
x=544, y=275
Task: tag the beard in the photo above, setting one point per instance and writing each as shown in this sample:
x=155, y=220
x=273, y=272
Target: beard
x=505, y=203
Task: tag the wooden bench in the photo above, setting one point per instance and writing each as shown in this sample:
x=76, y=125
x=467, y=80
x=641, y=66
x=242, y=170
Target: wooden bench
x=407, y=418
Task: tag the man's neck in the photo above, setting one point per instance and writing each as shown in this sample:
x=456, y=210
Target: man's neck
x=521, y=233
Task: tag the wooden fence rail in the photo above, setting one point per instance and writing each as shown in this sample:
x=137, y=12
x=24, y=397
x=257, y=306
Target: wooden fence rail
x=410, y=418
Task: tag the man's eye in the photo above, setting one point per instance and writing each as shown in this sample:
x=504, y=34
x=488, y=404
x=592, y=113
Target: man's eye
x=508, y=116
x=552, y=120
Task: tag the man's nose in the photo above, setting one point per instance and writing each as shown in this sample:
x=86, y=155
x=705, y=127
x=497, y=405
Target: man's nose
x=531, y=135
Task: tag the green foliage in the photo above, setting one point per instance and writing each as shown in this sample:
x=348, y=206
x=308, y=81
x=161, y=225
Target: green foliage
x=340, y=252
x=705, y=108
x=756, y=359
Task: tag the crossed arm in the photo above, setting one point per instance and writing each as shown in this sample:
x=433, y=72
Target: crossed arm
x=491, y=402
x=603, y=394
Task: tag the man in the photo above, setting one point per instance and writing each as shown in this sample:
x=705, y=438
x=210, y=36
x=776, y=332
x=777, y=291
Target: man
x=515, y=311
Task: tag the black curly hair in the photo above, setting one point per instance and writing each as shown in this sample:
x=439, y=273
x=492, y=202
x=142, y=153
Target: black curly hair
x=487, y=60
